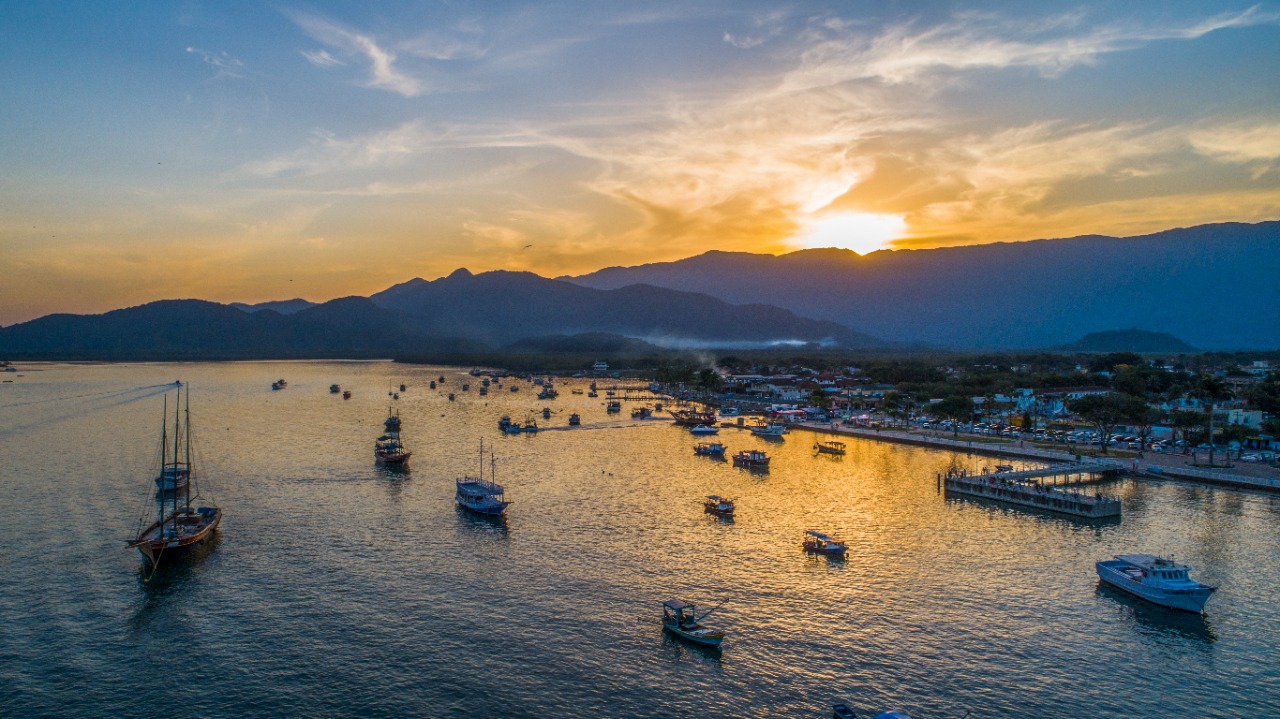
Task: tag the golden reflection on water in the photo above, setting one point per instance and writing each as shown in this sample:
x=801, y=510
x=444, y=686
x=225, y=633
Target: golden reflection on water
x=940, y=604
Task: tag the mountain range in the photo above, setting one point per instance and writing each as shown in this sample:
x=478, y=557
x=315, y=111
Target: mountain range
x=1215, y=286
x=461, y=313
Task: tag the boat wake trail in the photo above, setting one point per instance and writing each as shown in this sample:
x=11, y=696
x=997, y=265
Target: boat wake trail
x=96, y=401
x=139, y=392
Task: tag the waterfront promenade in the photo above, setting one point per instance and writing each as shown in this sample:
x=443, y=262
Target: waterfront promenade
x=1153, y=464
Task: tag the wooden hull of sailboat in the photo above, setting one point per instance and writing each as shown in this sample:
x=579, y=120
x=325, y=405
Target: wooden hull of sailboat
x=157, y=547
x=396, y=458
x=700, y=635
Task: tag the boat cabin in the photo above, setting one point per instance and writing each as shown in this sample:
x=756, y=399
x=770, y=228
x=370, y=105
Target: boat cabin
x=823, y=543
x=678, y=613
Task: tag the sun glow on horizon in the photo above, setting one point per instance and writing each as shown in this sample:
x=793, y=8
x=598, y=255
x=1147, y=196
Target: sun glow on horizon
x=862, y=232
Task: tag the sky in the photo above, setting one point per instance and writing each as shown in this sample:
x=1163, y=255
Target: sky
x=252, y=151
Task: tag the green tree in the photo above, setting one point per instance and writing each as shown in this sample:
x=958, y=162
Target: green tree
x=1103, y=411
x=1185, y=422
x=1142, y=416
x=957, y=408
x=710, y=380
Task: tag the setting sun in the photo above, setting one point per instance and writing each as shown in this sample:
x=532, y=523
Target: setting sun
x=861, y=232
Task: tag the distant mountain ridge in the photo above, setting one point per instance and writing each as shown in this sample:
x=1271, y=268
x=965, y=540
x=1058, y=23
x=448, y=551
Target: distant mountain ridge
x=284, y=307
x=1216, y=286
x=1131, y=340
x=459, y=313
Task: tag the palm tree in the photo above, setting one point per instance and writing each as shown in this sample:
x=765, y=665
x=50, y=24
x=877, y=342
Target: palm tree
x=1210, y=389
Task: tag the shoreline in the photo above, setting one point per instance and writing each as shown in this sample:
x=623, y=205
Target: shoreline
x=1135, y=469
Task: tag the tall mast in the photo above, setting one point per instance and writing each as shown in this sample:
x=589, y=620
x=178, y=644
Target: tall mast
x=190, y=477
x=177, y=407
x=164, y=450
x=481, y=459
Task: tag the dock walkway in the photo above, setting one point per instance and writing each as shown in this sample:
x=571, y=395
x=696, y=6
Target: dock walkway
x=1018, y=488
x=1146, y=467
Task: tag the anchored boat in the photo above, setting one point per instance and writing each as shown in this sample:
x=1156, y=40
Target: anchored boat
x=179, y=526
x=829, y=447
x=1157, y=580
x=823, y=544
x=388, y=449
x=751, y=459
x=480, y=495
x=681, y=619
x=693, y=417
x=718, y=505
x=773, y=430
x=702, y=430
x=709, y=449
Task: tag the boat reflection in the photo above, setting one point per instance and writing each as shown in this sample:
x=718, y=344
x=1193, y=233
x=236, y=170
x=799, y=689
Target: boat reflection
x=677, y=650
x=1155, y=618
x=481, y=524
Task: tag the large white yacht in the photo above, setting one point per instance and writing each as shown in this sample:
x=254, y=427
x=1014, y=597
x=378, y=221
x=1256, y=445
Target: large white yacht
x=1157, y=580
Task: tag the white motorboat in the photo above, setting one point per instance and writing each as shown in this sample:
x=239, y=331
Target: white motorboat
x=703, y=429
x=1157, y=580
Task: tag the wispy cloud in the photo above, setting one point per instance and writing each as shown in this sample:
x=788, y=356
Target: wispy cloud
x=905, y=53
x=1239, y=142
x=320, y=58
x=745, y=163
x=383, y=73
x=223, y=64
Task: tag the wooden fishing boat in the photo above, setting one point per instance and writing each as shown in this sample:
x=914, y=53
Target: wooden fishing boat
x=392, y=422
x=693, y=417
x=721, y=506
x=751, y=459
x=179, y=526
x=346, y=394
x=575, y=420
x=388, y=449
x=681, y=619
x=709, y=449
x=829, y=447
x=820, y=543
x=335, y=389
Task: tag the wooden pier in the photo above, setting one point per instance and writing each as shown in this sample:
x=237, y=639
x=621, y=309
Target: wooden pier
x=1028, y=488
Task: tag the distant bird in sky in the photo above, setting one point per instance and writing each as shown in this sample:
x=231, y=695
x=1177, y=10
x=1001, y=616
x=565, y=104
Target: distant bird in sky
x=528, y=246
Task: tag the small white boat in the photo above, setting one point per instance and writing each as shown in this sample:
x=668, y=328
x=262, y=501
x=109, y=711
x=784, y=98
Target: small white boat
x=1157, y=580
x=681, y=619
x=703, y=429
x=480, y=495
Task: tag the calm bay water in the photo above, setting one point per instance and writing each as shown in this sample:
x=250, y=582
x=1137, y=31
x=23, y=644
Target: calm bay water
x=337, y=588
